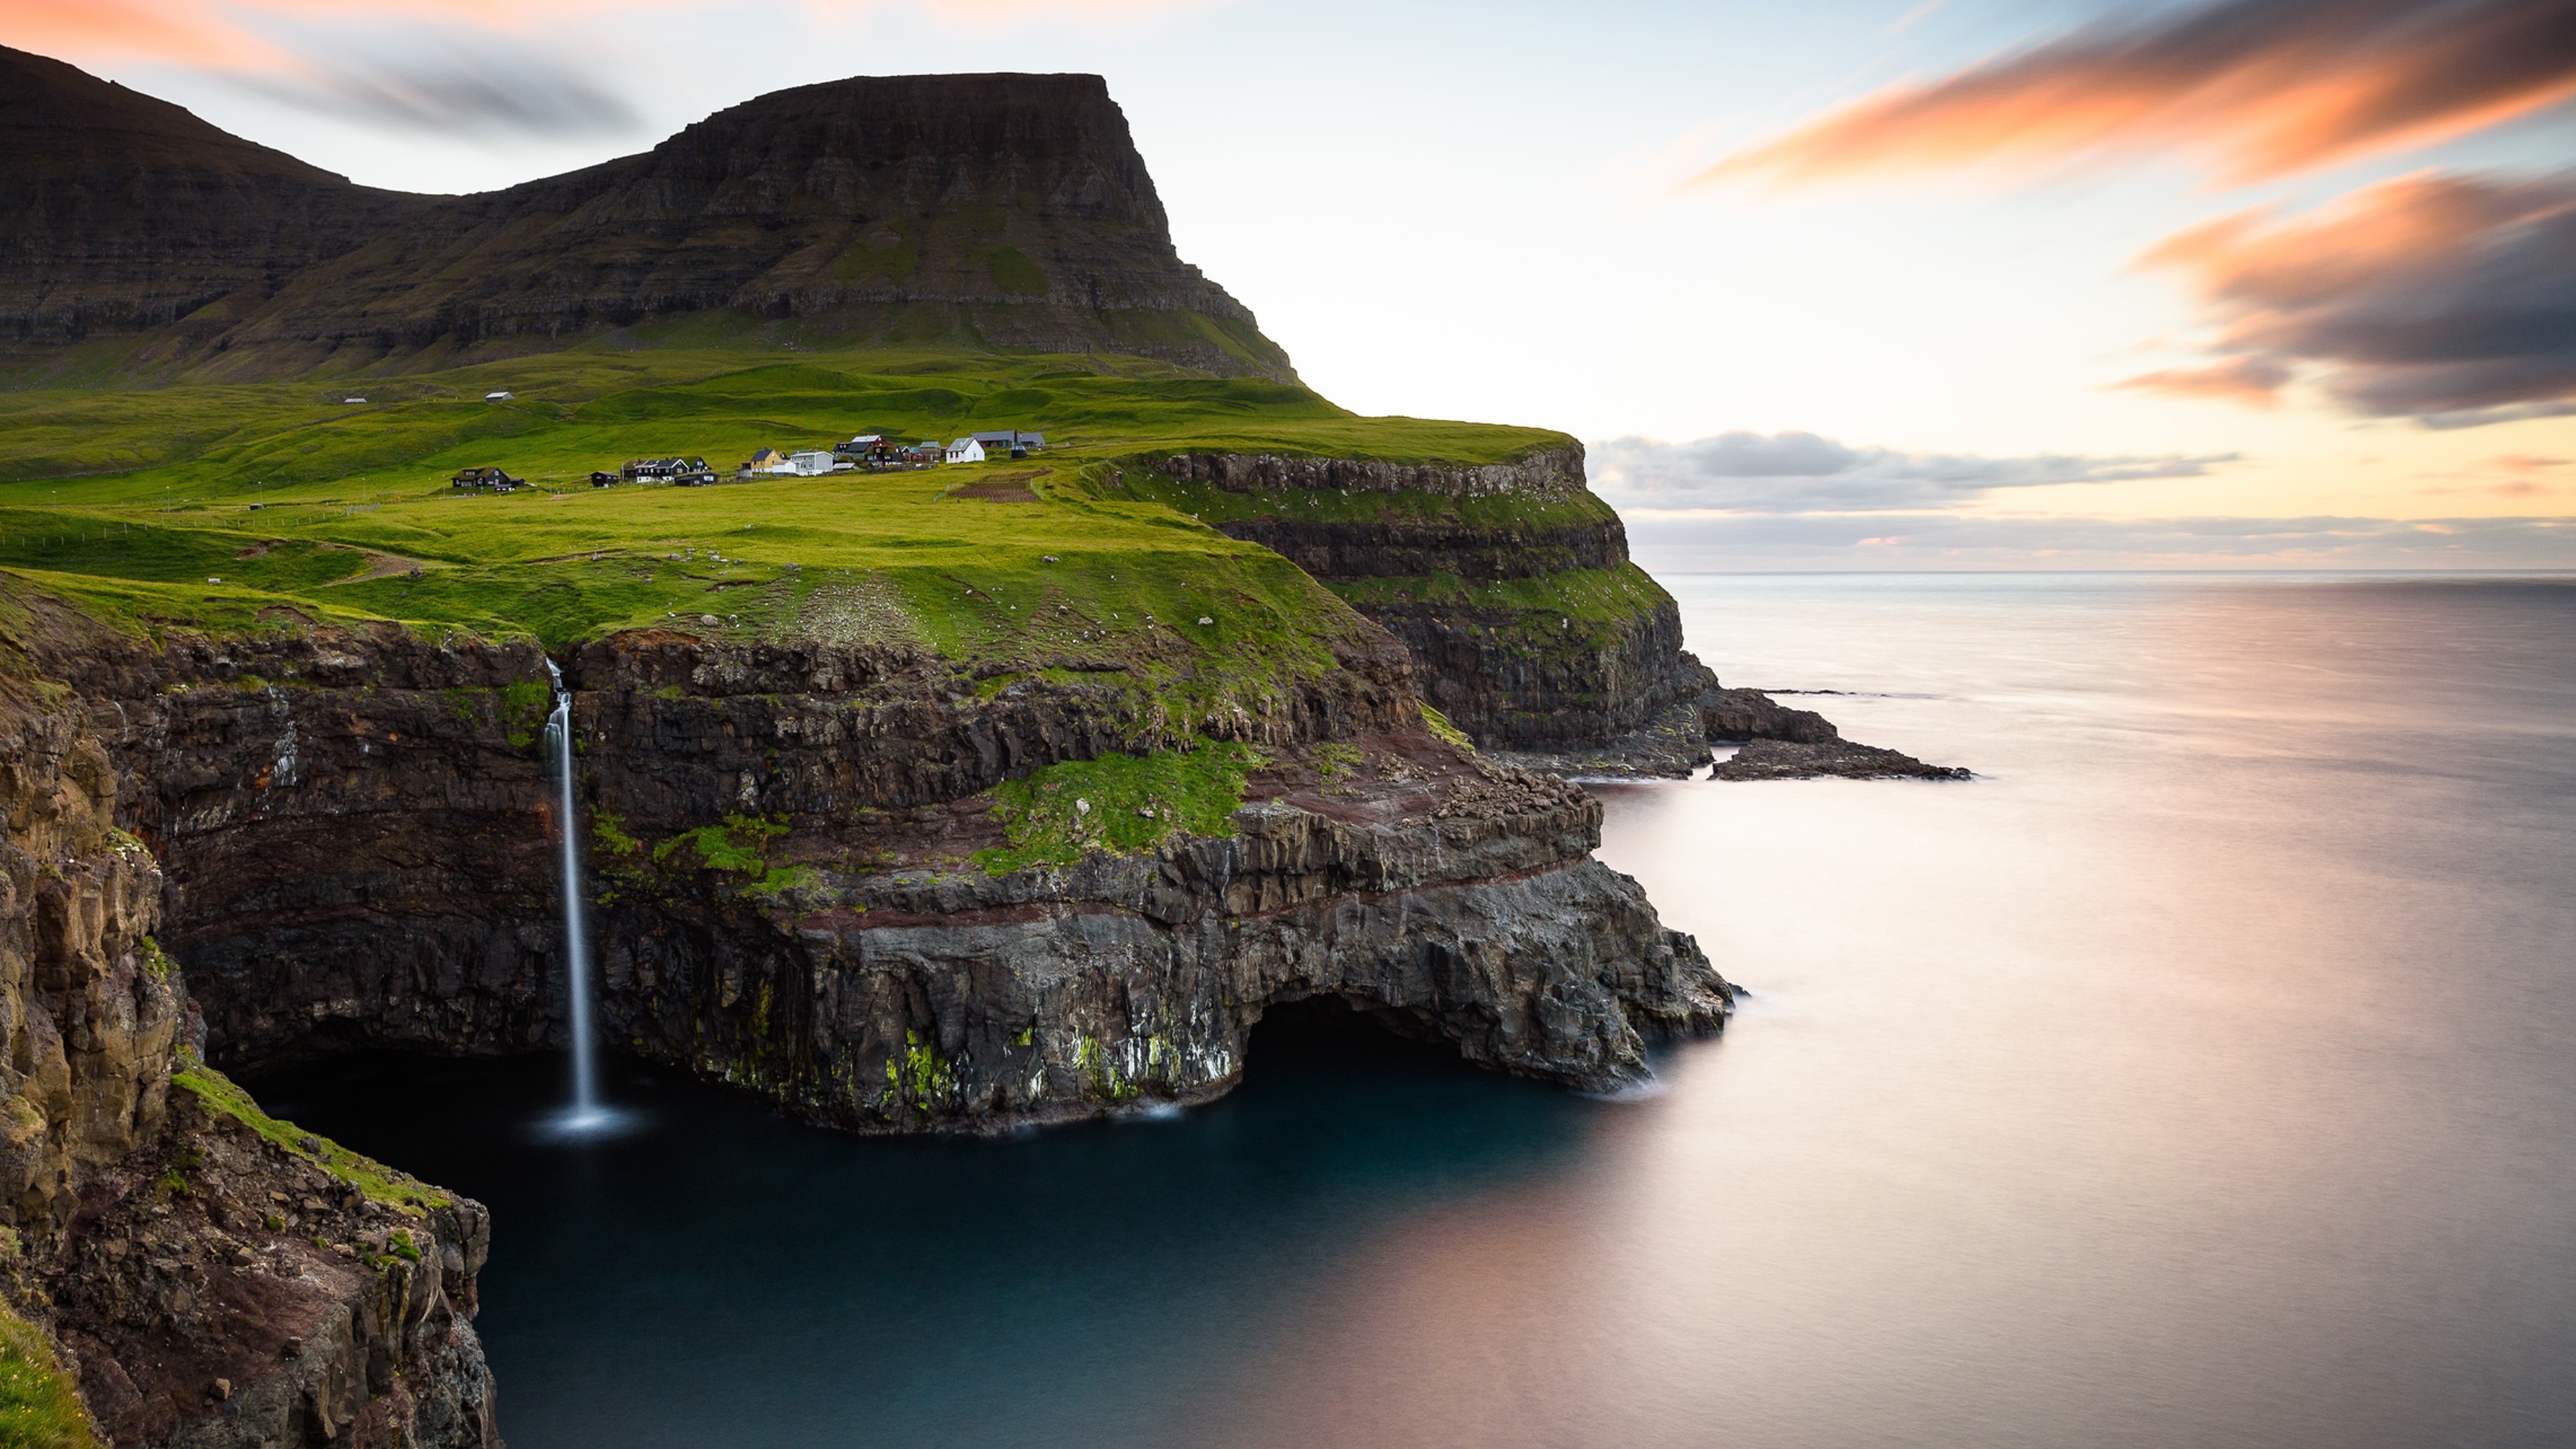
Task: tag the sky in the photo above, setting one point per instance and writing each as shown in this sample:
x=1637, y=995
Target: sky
x=1840, y=284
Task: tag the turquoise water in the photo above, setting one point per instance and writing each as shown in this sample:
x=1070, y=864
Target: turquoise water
x=2203, y=1073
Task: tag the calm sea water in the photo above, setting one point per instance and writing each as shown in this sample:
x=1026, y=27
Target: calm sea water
x=2202, y=1074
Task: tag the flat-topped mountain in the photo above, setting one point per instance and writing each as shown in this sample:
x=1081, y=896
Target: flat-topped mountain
x=1009, y=212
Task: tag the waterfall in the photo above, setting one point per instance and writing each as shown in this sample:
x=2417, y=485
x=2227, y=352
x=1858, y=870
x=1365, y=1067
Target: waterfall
x=586, y=1112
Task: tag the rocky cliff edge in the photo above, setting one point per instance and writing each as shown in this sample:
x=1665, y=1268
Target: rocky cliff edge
x=179, y=1267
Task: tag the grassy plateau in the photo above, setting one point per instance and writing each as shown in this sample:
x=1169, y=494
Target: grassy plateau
x=210, y=507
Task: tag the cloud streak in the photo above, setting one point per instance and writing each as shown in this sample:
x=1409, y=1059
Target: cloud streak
x=2259, y=88
x=2253, y=381
x=2448, y=299
x=234, y=33
x=1794, y=472
x=447, y=82
x=491, y=67
x=1684, y=542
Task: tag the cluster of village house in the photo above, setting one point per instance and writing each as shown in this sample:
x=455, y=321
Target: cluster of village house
x=870, y=451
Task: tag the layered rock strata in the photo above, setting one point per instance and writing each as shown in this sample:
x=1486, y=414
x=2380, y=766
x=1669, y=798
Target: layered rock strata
x=212, y=1277
x=356, y=829
x=120, y=213
x=1511, y=587
x=1509, y=584
x=1451, y=902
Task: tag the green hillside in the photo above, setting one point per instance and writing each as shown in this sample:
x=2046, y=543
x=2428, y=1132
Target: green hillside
x=245, y=507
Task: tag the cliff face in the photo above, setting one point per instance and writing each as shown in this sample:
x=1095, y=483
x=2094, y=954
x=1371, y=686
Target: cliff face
x=1508, y=583
x=356, y=829
x=211, y=1279
x=91, y=1016
x=337, y=815
x=1452, y=903
x=1000, y=211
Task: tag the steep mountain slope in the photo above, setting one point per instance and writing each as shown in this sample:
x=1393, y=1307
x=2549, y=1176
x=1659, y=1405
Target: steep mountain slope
x=120, y=213
x=1002, y=212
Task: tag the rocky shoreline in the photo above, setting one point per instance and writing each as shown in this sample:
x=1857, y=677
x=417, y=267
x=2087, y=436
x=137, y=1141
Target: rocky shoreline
x=308, y=838
x=304, y=839
x=239, y=852
x=1768, y=759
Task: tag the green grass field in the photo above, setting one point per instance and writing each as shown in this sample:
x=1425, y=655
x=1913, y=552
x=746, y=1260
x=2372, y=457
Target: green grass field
x=578, y=410
x=244, y=507
x=40, y=1404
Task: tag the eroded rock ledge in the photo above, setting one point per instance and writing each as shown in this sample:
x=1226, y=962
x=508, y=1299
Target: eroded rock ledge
x=1452, y=902
x=1510, y=586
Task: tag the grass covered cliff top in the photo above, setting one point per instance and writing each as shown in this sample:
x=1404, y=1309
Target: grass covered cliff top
x=595, y=406
x=224, y=509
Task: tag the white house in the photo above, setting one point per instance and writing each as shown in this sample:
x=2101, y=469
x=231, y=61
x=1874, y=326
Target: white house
x=966, y=450
x=1012, y=441
x=809, y=465
x=501, y=396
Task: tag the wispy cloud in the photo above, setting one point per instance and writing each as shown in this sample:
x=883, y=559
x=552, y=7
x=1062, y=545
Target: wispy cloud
x=1951, y=540
x=1803, y=473
x=2445, y=298
x=445, y=81
x=2257, y=88
x=490, y=67
x=1798, y=500
x=188, y=31
x=2253, y=381
x=232, y=33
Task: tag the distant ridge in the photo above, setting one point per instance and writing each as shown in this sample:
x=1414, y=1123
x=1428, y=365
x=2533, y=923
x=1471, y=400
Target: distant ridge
x=992, y=212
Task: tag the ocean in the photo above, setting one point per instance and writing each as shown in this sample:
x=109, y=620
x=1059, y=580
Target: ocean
x=2203, y=1072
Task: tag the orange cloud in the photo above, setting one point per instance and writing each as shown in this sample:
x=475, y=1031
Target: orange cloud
x=2257, y=87
x=2451, y=299
x=2254, y=382
x=442, y=67
x=206, y=33
x=225, y=33
x=159, y=29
